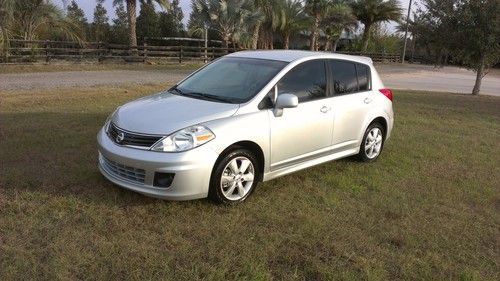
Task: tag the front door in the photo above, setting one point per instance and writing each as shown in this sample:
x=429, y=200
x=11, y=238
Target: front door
x=306, y=130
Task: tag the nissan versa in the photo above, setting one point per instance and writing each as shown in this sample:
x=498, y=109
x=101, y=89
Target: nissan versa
x=244, y=118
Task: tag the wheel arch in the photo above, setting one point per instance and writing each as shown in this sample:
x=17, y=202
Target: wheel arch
x=251, y=146
x=382, y=121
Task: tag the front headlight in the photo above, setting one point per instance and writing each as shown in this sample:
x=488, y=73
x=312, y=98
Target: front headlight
x=184, y=139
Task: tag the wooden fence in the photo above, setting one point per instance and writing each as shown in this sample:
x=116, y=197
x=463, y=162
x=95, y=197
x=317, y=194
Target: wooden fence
x=23, y=51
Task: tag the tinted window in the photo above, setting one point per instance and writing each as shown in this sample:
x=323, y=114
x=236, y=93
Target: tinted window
x=307, y=81
x=363, y=77
x=344, y=77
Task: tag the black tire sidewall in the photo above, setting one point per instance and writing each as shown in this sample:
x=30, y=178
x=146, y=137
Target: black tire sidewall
x=215, y=189
x=362, y=153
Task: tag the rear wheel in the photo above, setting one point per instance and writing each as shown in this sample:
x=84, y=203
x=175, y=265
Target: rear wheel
x=372, y=144
x=234, y=177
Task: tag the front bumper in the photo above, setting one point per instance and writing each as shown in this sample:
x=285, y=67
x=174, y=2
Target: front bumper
x=192, y=169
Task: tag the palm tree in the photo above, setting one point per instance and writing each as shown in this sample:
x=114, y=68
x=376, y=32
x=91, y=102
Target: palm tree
x=316, y=9
x=6, y=19
x=31, y=17
x=291, y=19
x=370, y=12
x=339, y=18
x=264, y=32
x=132, y=18
x=252, y=23
x=227, y=17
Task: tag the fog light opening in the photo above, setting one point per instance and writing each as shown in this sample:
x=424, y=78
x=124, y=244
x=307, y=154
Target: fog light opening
x=163, y=179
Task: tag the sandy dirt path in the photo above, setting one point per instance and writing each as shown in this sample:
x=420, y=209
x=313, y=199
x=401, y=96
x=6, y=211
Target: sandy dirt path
x=410, y=77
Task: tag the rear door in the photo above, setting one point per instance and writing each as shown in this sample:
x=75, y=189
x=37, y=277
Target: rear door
x=352, y=99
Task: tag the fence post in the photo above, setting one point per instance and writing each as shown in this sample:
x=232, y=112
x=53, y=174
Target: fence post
x=80, y=53
x=206, y=45
x=46, y=46
x=180, y=54
x=99, y=54
x=145, y=51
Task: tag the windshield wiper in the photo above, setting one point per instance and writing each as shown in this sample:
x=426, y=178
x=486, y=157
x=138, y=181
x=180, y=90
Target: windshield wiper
x=176, y=90
x=212, y=97
x=200, y=95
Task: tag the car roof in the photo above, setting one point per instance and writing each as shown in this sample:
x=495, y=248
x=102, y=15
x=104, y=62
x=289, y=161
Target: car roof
x=294, y=55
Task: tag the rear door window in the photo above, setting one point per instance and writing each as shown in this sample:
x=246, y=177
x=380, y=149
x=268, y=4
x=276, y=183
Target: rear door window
x=349, y=77
x=345, y=80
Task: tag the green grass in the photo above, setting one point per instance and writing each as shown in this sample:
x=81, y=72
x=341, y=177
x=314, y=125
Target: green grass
x=429, y=209
x=30, y=68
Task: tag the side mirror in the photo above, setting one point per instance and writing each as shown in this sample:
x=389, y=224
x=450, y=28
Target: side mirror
x=285, y=101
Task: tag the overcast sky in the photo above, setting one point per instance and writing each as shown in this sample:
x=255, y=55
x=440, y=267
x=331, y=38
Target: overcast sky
x=89, y=5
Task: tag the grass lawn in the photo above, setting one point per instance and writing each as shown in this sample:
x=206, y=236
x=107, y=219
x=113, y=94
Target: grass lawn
x=429, y=209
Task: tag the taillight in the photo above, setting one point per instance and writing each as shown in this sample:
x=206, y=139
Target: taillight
x=387, y=93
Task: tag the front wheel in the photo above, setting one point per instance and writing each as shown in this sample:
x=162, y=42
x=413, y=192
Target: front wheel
x=372, y=144
x=234, y=177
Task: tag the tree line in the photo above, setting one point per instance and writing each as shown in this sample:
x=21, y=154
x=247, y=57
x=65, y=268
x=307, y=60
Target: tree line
x=246, y=23
x=464, y=32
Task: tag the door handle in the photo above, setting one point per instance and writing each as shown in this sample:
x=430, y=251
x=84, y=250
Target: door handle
x=368, y=100
x=325, y=109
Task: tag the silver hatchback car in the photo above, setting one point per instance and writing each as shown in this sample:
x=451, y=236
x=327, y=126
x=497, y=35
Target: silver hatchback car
x=244, y=118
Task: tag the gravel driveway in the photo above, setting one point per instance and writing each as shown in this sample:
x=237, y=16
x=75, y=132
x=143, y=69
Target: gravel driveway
x=411, y=77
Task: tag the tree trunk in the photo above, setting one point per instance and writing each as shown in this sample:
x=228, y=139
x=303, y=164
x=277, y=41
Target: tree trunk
x=132, y=36
x=287, y=40
x=328, y=44
x=271, y=40
x=366, y=37
x=225, y=40
x=413, y=46
x=314, y=34
x=335, y=44
x=255, y=36
x=479, y=77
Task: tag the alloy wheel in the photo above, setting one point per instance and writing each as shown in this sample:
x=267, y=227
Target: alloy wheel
x=373, y=143
x=237, y=178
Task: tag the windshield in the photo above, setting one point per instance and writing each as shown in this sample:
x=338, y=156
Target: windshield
x=233, y=80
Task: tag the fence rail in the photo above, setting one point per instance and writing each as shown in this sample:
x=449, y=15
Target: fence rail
x=31, y=51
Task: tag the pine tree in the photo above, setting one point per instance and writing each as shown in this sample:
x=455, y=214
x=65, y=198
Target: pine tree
x=170, y=22
x=147, y=21
x=119, y=34
x=100, y=26
x=77, y=16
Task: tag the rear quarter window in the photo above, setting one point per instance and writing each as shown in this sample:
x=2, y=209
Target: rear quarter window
x=363, y=72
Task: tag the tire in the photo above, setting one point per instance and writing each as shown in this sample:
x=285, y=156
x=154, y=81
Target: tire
x=228, y=184
x=372, y=144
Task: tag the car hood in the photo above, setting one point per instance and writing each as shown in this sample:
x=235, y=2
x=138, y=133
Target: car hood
x=165, y=113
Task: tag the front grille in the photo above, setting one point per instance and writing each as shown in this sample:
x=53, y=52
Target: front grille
x=123, y=137
x=123, y=171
